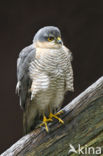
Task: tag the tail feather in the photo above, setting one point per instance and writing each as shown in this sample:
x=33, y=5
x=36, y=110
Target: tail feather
x=30, y=117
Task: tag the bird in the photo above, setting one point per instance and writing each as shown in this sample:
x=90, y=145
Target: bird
x=44, y=75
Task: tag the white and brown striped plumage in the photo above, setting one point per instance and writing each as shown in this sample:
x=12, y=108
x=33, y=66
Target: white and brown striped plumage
x=48, y=75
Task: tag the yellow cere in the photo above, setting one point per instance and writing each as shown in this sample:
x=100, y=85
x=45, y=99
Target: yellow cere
x=58, y=38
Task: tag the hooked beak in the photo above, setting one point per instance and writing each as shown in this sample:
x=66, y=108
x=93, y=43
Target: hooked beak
x=59, y=40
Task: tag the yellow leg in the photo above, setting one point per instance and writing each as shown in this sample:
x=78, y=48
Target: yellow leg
x=56, y=116
x=45, y=120
x=60, y=112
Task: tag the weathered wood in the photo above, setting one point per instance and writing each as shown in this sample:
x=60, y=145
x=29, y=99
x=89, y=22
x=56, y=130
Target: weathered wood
x=83, y=119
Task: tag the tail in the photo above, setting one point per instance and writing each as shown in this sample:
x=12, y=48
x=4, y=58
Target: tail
x=30, y=117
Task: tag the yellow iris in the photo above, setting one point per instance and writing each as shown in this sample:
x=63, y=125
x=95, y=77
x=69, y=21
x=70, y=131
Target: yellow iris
x=50, y=39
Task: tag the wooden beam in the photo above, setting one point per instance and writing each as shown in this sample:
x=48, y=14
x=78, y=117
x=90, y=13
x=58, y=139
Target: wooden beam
x=83, y=118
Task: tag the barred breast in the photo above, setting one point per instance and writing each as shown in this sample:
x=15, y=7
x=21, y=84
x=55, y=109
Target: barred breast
x=51, y=75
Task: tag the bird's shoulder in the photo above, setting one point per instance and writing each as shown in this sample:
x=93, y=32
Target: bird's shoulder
x=25, y=52
x=25, y=57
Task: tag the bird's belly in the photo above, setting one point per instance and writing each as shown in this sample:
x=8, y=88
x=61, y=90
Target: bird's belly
x=52, y=96
x=48, y=85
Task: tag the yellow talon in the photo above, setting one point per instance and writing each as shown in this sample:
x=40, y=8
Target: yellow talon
x=60, y=112
x=56, y=117
x=45, y=120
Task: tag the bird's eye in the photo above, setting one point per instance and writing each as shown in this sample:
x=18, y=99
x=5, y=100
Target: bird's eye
x=50, y=39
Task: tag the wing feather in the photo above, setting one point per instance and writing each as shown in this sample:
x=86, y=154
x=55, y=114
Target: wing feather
x=24, y=82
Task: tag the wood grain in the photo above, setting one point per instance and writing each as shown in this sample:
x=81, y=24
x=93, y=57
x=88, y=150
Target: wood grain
x=83, y=118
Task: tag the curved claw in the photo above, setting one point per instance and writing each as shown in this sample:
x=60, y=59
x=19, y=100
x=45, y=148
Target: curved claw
x=56, y=116
x=45, y=120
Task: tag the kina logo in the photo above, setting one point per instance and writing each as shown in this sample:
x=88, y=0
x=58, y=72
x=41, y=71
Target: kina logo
x=85, y=150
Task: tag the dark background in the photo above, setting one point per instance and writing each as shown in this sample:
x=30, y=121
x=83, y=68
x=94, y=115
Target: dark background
x=81, y=24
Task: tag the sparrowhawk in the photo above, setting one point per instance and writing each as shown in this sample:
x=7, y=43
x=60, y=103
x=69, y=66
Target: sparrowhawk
x=44, y=74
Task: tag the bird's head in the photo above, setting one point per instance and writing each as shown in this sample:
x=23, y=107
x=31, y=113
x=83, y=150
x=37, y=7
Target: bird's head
x=48, y=37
